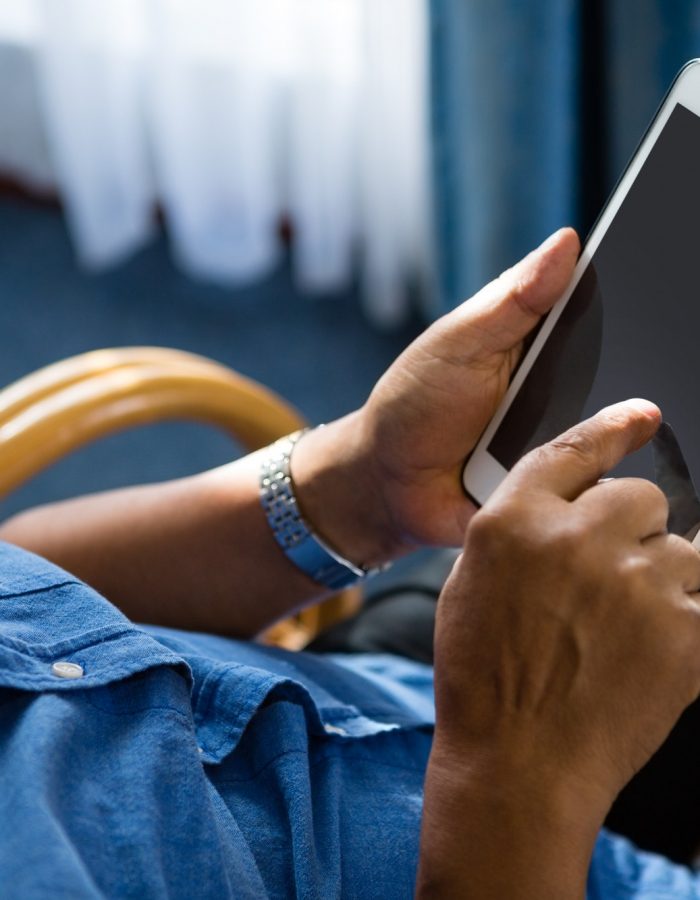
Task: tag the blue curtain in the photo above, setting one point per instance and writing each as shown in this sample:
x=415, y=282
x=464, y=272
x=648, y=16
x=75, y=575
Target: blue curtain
x=536, y=109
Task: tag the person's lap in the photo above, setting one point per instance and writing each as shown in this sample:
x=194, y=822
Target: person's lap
x=188, y=765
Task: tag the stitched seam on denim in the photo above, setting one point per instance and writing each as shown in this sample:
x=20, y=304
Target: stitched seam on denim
x=73, y=644
x=43, y=590
x=337, y=713
x=209, y=687
x=51, y=682
x=85, y=640
x=205, y=697
x=244, y=711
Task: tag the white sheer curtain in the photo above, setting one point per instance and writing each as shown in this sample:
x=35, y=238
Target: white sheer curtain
x=230, y=114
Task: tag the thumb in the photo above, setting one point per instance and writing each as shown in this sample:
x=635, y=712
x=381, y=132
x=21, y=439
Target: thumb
x=506, y=310
x=573, y=462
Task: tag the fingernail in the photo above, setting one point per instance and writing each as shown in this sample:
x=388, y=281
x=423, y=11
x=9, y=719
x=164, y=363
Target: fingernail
x=644, y=406
x=548, y=241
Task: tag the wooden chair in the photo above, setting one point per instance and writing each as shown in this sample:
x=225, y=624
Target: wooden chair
x=57, y=409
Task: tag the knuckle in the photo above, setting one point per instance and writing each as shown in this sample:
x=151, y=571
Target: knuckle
x=615, y=418
x=573, y=536
x=677, y=556
x=498, y=527
x=652, y=493
x=678, y=548
x=520, y=528
x=687, y=557
x=515, y=286
x=642, y=498
x=634, y=502
x=486, y=526
x=516, y=289
x=637, y=571
x=575, y=443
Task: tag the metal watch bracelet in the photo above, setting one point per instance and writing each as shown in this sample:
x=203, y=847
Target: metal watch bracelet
x=305, y=549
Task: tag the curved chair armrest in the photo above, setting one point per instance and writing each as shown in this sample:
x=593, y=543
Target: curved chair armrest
x=253, y=414
x=61, y=407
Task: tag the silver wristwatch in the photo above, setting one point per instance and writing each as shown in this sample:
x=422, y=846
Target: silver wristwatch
x=305, y=549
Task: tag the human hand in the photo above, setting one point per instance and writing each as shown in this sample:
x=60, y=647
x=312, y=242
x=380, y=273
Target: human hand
x=567, y=645
x=388, y=478
x=428, y=411
x=569, y=631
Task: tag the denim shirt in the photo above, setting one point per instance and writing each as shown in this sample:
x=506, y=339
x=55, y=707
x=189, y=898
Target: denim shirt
x=185, y=765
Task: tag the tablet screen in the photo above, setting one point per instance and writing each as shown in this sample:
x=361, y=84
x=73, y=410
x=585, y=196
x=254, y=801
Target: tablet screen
x=632, y=325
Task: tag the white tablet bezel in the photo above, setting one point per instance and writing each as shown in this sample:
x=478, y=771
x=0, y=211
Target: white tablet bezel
x=483, y=473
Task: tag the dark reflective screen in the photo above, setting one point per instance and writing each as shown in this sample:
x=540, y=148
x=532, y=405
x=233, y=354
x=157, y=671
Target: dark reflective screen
x=632, y=326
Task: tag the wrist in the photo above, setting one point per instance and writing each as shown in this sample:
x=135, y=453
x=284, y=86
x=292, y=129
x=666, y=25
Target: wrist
x=340, y=495
x=492, y=828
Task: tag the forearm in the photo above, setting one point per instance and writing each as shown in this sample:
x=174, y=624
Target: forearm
x=198, y=552
x=492, y=831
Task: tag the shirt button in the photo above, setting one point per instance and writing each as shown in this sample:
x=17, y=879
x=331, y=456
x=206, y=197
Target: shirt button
x=334, y=729
x=65, y=669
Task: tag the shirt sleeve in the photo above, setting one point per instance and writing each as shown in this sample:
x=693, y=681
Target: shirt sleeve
x=620, y=871
x=102, y=791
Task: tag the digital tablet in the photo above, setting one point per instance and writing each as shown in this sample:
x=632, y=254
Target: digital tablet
x=628, y=324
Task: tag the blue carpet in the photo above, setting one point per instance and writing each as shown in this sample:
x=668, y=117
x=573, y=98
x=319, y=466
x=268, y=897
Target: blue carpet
x=321, y=354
